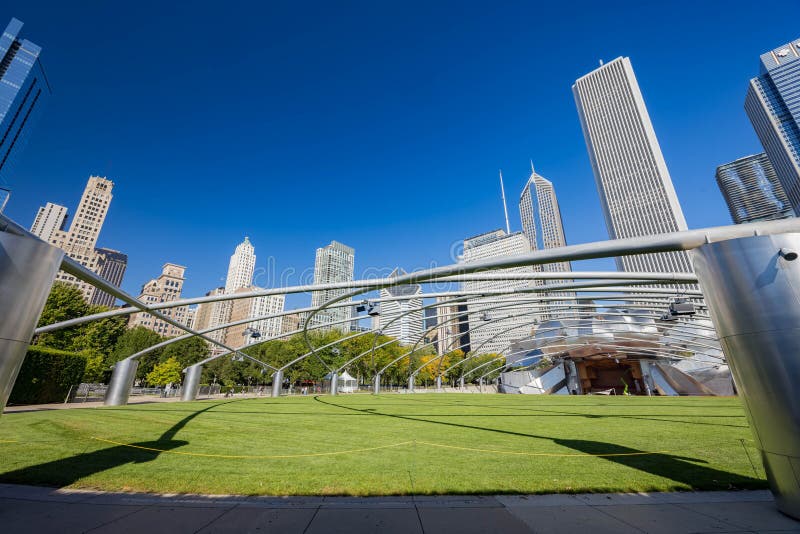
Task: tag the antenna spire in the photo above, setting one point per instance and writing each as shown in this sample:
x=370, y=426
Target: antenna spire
x=532, y=171
x=505, y=207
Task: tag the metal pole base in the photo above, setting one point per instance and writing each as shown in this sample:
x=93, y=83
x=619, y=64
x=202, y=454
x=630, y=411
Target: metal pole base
x=461, y=383
x=277, y=383
x=411, y=380
x=438, y=383
x=191, y=383
x=122, y=377
x=751, y=288
x=376, y=385
x=334, y=383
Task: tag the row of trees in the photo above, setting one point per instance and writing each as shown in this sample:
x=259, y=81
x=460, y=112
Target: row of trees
x=108, y=341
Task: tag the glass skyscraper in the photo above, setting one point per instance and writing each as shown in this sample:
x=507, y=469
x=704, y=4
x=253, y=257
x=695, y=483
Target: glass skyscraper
x=23, y=89
x=542, y=225
x=752, y=190
x=773, y=105
x=541, y=218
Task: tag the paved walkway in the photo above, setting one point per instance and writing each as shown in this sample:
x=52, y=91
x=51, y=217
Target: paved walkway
x=42, y=510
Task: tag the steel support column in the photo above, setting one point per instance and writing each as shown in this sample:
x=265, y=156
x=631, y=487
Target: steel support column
x=752, y=289
x=119, y=387
x=376, y=385
x=191, y=382
x=438, y=383
x=334, y=383
x=277, y=383
x=411, y=380
x=27, y=270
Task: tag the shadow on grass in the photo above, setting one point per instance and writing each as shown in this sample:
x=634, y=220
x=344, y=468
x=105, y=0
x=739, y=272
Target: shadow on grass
x=682, y=470
x=67, y=471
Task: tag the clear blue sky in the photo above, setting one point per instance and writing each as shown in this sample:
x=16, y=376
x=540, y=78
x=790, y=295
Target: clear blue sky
x=379, y=124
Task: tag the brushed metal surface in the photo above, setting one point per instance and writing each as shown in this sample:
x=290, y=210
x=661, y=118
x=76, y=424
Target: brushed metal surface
x=27, y=270
x=753, y=296
x=119, y=387
x=277, y=383
x=191, y=382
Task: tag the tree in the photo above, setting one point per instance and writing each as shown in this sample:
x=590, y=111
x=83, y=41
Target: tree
x=95, y=368
x=64, y=302
x=101, y=336
x=187, y=351
x=167, y=372
x=136, y=340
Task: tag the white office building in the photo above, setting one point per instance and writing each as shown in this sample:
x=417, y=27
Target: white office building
x=493, y=330
x=636, y=191
x=402, y=319
x=240, y=274
x=333, y=263
x=49, y=219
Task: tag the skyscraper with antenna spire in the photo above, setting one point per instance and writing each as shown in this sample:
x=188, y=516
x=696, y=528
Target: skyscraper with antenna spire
x=541, y=221
x=541, y=218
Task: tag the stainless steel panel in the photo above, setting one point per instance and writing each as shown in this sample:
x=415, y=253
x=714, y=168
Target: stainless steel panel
x=753, y=295
x=27, y=270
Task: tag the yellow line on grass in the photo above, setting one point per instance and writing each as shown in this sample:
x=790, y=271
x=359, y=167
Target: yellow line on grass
x=367, y=449
x=253, y=457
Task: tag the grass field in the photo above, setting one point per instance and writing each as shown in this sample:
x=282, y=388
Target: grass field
x=391, y=444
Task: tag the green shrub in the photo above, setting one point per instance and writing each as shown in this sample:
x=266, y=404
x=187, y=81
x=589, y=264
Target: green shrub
x=47, y=375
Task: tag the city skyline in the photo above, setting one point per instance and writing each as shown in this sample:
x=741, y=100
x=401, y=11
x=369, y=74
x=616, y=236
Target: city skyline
x=442, y=234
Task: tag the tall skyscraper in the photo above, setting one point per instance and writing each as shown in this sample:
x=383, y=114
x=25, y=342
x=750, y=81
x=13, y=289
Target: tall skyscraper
x=752, y=190
x=240, y=274
x=80, y=240
x=541, y=218
x=542, y=224
x=635, y=187
x=23, y=90
x=111, y=265
x=509, y=322
x=402, y=319
x=166, y=288
x=333, y=263
x=241, y=266
x=49, y=219
x=773, y=105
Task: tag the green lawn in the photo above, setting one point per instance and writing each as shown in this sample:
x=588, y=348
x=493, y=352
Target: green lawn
x=391, y=444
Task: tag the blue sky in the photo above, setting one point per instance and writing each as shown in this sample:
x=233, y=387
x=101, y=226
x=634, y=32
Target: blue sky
x=379, y=124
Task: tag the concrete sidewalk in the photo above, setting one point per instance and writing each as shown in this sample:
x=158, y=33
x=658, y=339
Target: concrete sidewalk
x=42, y=510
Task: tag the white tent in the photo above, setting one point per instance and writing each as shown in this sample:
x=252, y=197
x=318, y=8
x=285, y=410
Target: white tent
x=346, y=383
